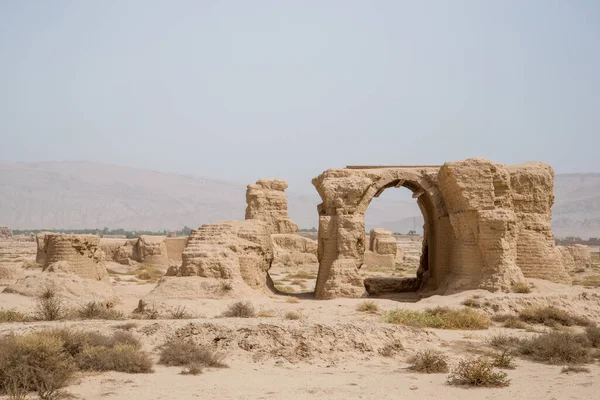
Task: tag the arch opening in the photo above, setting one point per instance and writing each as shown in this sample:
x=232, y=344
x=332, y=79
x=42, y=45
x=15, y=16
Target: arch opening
x=405, y=216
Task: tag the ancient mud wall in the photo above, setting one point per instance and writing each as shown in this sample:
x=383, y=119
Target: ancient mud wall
x=175, y=247
x=151, y=250
x=76, y=254
x=266, y=201
x=228, y=251
x=486, y=225
x=383, y=250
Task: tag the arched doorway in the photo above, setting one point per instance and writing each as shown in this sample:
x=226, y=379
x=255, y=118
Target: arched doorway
x=346, y=195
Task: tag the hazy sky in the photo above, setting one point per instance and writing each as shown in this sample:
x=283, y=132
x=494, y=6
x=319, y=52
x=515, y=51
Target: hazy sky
x=246, y=89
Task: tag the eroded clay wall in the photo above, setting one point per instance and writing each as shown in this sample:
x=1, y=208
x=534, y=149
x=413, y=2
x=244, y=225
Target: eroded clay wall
x=76, y=254
x=175, y=247
x=266, y=201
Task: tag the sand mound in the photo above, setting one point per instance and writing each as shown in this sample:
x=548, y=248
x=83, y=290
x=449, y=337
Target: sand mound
x=10, y=274
x=299, y=341
x=72, y=287
x=196, y=287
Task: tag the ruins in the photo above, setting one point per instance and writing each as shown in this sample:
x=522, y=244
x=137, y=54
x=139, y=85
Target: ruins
x=487, y=225
x=266, y=201
x=75, y=254
x=5, y=232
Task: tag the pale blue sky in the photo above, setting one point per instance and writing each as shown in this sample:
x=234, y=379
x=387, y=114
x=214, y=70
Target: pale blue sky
x=241, y=90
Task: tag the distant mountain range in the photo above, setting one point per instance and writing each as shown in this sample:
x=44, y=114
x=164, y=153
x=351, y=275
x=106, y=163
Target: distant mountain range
x=81, y=195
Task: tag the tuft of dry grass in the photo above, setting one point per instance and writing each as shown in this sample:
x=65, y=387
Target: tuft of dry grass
x=557, y=348
x=472, y=302
x=503, y=341
x=510, y=321
x=12, y=316
x=521, y=287
x=294, y=315
x=181, y=353
x=265, y=314
x=440, y=318
x=50, y=305
x=368, y=306
x=192, y=369
x=428, y=362
x=593, y=336
x=98, y=310
x=503, y=360
x=127, y=326
x=226, y=286
x=552, y=317
x=477, y=372
x=148, y=272
x=180, y=312
x=292, y=300
x=285, y=289
x=574, y=369
x=240, y=309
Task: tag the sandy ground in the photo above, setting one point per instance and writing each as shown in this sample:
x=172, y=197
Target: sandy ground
x=331, y=353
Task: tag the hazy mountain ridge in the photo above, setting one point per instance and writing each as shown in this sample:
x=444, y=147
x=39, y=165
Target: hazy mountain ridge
x=94, y=195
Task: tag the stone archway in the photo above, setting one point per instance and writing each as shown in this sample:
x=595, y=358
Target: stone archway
x=488, y=224
x=346, y=196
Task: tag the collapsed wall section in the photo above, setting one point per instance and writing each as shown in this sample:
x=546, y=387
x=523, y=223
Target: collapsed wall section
x=266, y=201
x=75, y=254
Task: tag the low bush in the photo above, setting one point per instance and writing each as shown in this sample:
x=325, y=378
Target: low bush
x=50, y=305
x=368, y=306
x=552, y=317
x=428, y=362
x=98, y=310
x=593, y=335
x=440, y=317
x=12, y=316
x=521, y=287
x=477, y=372
x=181, y=353
x=148, y=272
x=557, y=348
x=46, y=361
x=293, y=315
x=240, y=309
x=503, y=360
x=180, y=312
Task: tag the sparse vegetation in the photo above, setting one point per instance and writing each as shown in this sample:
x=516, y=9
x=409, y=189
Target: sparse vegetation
x=556, y=348
x=574, y=369
x=472, y=302
x=226, y=286
x=440, y=318
x=12, y=316
x=521, y=287
x=181, y=353
x=46, y=361
x=127, y=326
x=192, y=369
x=293, y=315
x=368, y=306
x=50, y=305
x=98, y=310
x=503, y=360
x=593, y=336
x=477, y=372
x=285, y=289
x=145, y=311
x=551, y=316
x=292, y=300
x=148, y=272
x=503, y=341
x=592, y=281
x=240, y=309
x=265, y=313
x=180, y=312
x=510, y=321
x=429, y=362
